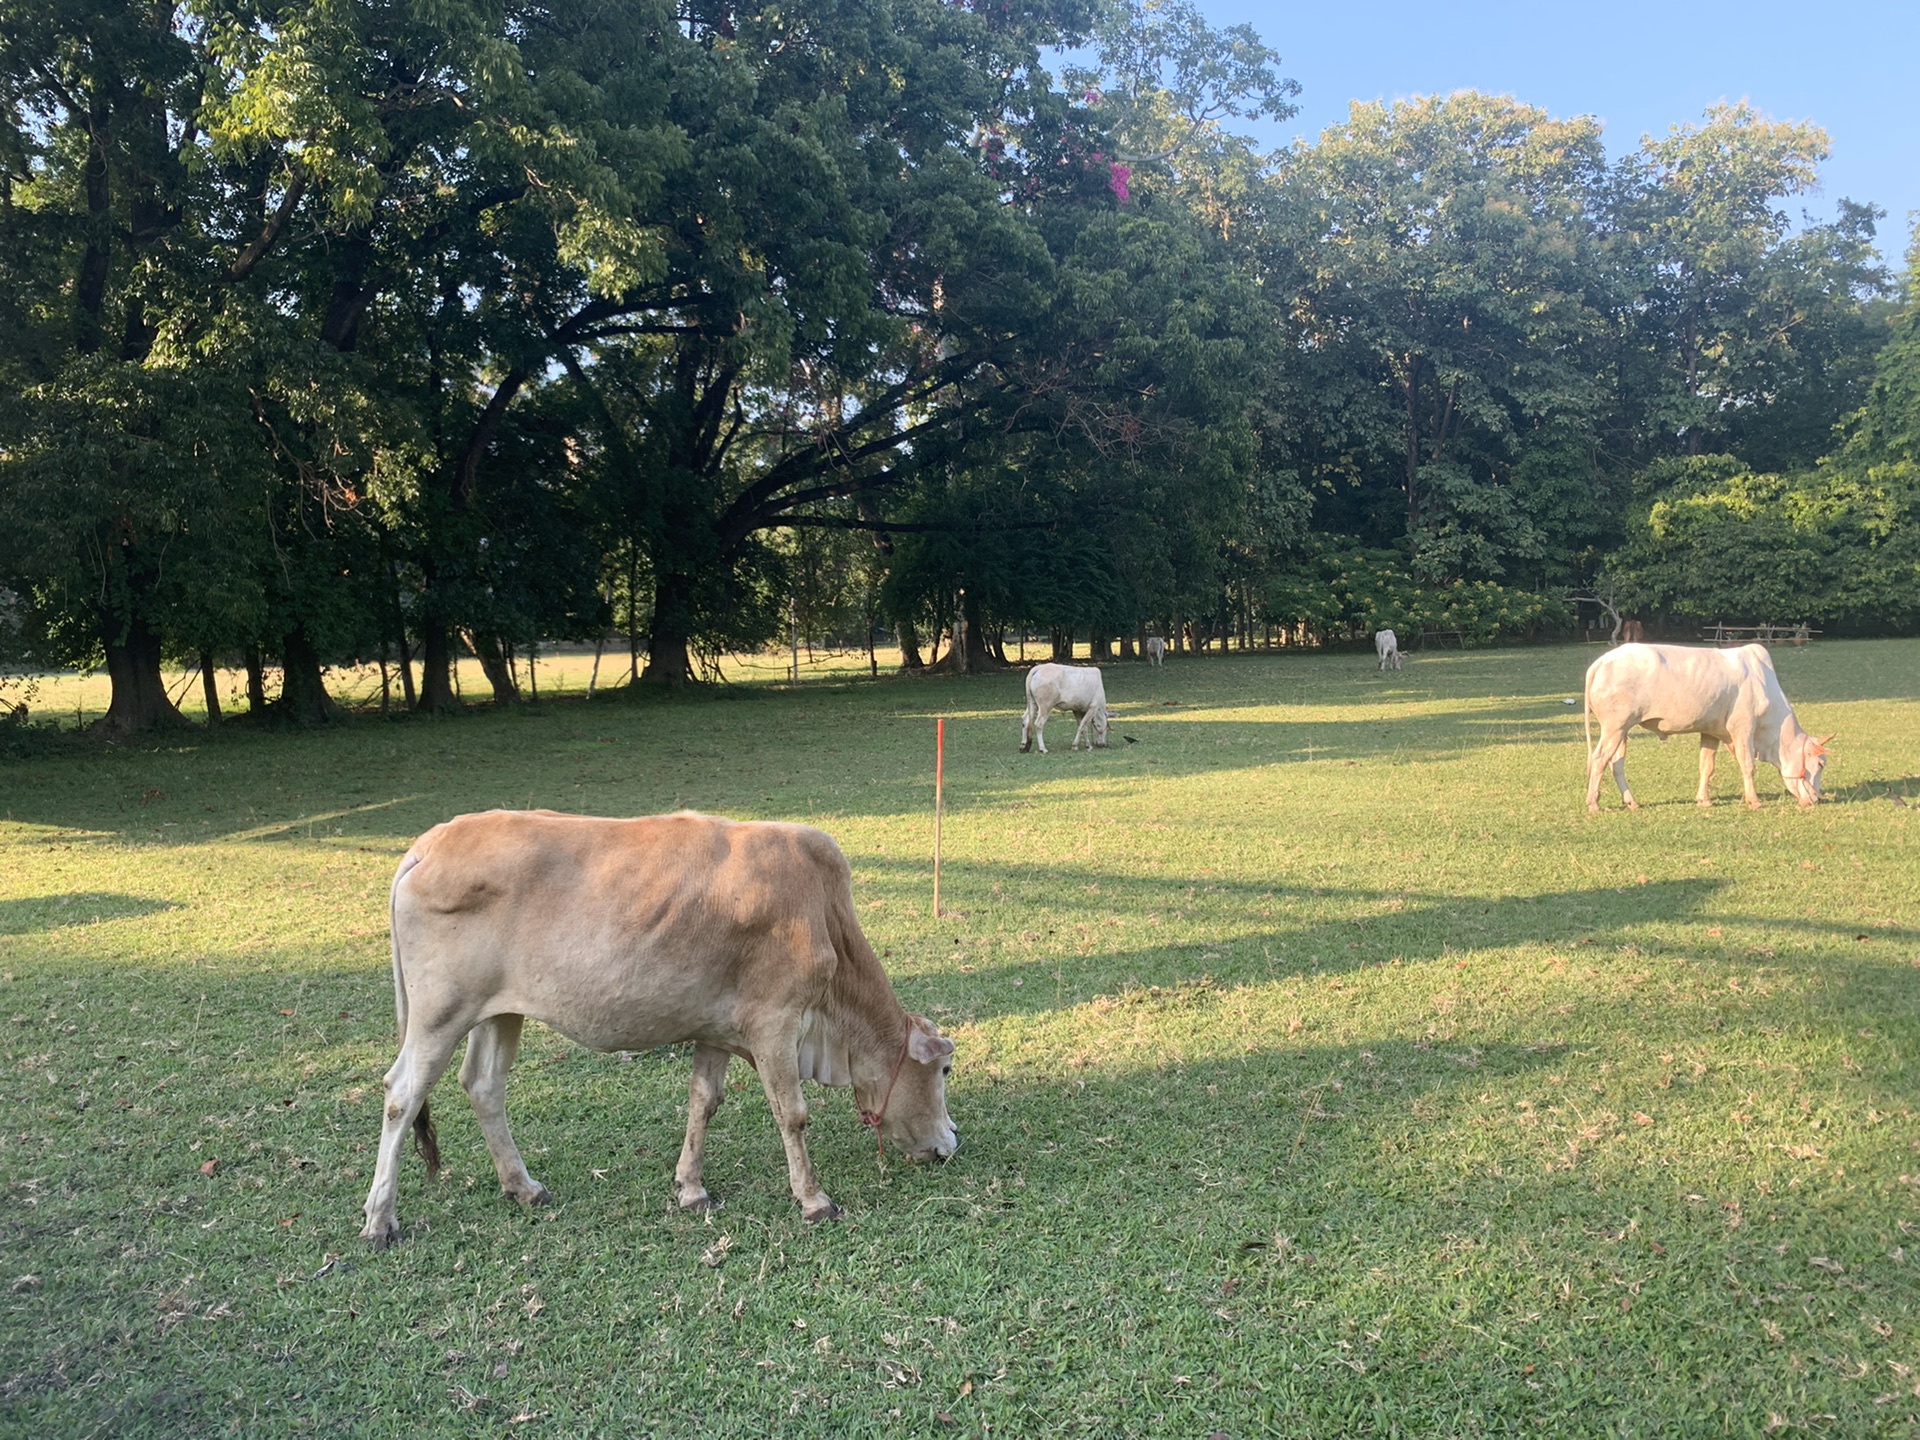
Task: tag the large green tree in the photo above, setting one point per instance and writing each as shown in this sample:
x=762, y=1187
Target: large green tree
x=1759, y=331
x=1439, y=261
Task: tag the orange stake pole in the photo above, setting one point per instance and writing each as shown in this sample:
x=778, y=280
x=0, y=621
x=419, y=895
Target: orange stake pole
x=939, y=803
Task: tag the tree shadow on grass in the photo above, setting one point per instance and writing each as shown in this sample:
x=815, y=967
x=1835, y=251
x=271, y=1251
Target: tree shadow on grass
x=31, y=914
x=842, y=752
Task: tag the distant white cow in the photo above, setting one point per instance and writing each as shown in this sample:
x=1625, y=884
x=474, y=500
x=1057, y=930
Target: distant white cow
x=1064, y=687
x=1726, y=697
x=1387, y=645
x=1154, y=650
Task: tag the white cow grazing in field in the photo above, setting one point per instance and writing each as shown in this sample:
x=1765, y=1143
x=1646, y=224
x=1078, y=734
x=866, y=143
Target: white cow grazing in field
x=1155, y=649
x=628, y=934
x=1387, y=645
x=1065, y=687
x=1726, y=697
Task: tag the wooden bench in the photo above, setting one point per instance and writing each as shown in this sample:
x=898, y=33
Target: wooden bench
x=1721, y=634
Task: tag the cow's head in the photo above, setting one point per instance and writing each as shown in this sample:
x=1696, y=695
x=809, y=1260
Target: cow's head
x=916, y=1118
x=1805, y=786
x=1100, y=727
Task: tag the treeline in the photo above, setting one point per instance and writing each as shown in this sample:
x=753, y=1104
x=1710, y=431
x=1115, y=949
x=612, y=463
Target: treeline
x=341, y=331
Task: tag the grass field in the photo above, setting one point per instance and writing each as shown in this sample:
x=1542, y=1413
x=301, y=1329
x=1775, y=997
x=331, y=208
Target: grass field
x=1325, y=1069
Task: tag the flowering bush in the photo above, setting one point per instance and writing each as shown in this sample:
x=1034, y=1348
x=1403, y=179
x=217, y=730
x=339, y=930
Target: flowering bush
x=1342, y=591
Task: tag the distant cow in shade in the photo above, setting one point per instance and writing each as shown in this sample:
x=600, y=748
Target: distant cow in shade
x=1077, y=688
x=1387, y=645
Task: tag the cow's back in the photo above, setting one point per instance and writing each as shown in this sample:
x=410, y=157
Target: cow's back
x=1677, y=689
x=621, y=933
x=1074, y=687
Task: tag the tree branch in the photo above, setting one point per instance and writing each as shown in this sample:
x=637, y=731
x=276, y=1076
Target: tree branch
x=270, y=234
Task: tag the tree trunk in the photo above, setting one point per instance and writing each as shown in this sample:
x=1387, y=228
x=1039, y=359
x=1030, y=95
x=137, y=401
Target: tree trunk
x=256, y=683
x=909, y=647
x=1412, y=388
x=303, y=693
x=210, y=688
x=1099, y=648
x=1062, y=645
x=437, y=695
x=979, y=656
x=1126, y=647
x=140, y=701
x=497, y=667
x=400, y=635
x=669, y=659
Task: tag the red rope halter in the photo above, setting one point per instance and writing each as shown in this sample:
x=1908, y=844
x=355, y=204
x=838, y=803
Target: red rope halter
x=874, y=1117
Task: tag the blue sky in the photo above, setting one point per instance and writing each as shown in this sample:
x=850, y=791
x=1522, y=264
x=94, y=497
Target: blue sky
x=1851, y=66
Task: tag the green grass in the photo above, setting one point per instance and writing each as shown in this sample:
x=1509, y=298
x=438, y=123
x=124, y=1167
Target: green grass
x=1324, y=1070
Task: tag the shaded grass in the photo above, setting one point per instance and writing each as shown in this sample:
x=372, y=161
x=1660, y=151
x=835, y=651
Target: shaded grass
x=1324, y=1070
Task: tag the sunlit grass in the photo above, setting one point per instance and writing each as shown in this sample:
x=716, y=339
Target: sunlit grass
x=1324, y=1069
x=72, y=700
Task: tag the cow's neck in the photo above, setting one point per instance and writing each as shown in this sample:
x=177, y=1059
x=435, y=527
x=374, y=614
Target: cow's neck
x=1790, y=748
x=869, y=1021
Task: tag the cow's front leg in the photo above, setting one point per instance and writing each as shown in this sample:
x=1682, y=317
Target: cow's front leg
x=483, y=1075
x=1080, y=740
x=705, y=1091
x=1746, y=758
x=780, y=1078
x=1709, y=752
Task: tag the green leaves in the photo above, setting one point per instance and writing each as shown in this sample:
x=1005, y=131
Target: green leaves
x=1839, y=547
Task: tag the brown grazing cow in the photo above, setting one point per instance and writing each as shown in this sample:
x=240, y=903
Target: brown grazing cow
x=1632, y=632
x=627, y=934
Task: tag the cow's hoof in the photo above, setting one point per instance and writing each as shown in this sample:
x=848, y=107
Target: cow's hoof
x=1704, y=804
x=1633, y=804
x=533, y=1193
x=381, y=1237
x=828, y=1211
x=705, y=1200
x=1593, y=809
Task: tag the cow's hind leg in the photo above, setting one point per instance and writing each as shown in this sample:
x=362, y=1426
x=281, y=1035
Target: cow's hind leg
x=483, y=1075
x=1709, y=752
x=780, y=1078
x=1611, y=751
x=705, y=1091
x=422, y=1060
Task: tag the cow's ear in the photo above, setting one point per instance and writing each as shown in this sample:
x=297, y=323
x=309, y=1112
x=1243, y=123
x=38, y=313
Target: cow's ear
x=924, y=1043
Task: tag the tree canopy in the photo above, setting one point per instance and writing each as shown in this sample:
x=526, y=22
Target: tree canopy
x=341, y=331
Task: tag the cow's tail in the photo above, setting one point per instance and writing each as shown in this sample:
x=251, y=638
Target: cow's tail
x=425, y=1137
x=1586, y=713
